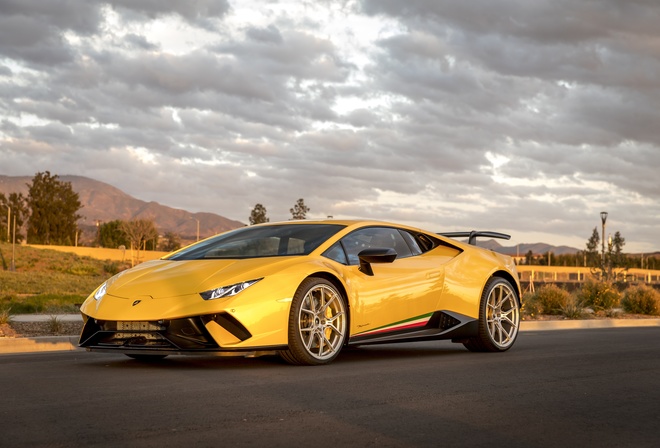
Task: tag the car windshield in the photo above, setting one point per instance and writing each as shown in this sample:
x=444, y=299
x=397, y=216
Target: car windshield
x=261, y=241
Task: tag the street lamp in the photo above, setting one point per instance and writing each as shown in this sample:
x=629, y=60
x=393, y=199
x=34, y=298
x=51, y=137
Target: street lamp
x=603, y=218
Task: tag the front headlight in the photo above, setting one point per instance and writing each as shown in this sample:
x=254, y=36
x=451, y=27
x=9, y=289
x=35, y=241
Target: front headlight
x=98, y=295
x=227, y=291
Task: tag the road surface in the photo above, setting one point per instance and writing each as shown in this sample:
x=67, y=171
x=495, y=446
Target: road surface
x=560, y=388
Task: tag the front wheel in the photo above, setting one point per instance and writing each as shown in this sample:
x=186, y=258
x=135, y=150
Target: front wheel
x=499, y=318
x=317, y=323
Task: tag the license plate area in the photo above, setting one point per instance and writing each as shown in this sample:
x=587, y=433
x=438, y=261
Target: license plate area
x=138, y=326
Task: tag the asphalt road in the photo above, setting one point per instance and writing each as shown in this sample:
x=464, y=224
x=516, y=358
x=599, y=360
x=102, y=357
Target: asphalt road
x=560, y=388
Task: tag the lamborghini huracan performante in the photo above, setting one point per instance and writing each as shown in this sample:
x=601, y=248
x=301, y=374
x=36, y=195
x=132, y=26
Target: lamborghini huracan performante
x=307, y=289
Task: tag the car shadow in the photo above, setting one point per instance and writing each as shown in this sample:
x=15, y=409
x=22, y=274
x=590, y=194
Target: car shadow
x=349, y=355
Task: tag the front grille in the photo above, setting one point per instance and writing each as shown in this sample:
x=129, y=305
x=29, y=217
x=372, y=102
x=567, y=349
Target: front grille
x=176, y=334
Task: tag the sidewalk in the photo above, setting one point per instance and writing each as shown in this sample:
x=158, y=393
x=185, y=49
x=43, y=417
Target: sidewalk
x=70, y=343
x=41, y=343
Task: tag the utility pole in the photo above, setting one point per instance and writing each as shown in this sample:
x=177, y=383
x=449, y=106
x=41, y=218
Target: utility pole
x=192, y=217
x=13, y=247
x=603, y=218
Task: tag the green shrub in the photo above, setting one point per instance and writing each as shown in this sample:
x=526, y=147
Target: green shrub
x=112, y=267
x=82, y=269
x=599, y=295
x=55, y=325
x=573, y=308
x=5, y=315
x=552, y=299
x=531, y=307
x=641, y=300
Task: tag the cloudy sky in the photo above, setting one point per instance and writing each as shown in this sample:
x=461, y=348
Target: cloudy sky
x=523, y=116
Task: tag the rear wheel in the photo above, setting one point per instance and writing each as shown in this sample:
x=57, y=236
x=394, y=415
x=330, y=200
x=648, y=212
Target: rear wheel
x=317, y=323
x=499, y=318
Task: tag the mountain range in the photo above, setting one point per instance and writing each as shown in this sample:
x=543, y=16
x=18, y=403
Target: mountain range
x=102, y=203
x=522, y=249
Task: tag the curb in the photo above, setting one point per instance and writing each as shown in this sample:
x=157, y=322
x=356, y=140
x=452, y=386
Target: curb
x=38, y=344
x=70, y=343
x=546, y=325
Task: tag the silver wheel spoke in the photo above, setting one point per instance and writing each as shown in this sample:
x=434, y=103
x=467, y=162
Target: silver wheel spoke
x=322, y=321
x=502, y=316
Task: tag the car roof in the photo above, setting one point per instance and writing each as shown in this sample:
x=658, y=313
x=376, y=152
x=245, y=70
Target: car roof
x=344, y=222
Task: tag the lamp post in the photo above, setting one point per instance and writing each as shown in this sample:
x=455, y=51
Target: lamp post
x=603, y=218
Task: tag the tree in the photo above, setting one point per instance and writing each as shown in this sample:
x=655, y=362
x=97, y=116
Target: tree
x=529, y=257
x=171, y=242
x=53, y=210
x=139, y=232
x=299, y=211
x=15, y=209
x=618, y=258
x=615, y=256
x=593, y=258
x=258, y=215
x=111, y=235
x=604, y=264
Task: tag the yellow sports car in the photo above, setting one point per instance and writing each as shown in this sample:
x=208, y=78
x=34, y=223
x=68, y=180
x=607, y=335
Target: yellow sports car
x=306, y=289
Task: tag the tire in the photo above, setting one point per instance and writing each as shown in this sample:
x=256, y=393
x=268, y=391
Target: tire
x=147, y=358
x=318, y=323
x=499, y=318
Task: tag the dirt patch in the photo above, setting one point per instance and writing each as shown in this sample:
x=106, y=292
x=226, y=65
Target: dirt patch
x=6, y=331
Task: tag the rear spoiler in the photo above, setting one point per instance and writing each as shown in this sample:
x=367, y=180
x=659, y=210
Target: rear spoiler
x=474, y=234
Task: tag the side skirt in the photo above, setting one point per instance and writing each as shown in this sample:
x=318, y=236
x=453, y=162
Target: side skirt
x=441, y=325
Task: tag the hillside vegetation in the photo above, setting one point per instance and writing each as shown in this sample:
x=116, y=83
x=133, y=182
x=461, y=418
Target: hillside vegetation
x=49, y=281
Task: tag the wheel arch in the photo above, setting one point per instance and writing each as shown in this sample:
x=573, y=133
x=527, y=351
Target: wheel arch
x=342, y=290
x=514, y=282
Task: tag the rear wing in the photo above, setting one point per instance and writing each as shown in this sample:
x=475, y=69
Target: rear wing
x=474, y=234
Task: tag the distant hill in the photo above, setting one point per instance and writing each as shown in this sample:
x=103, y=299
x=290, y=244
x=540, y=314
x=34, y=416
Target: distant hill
x=103, y=202
x=522, y=249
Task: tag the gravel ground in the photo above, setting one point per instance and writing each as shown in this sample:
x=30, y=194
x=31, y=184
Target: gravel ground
x=48, y=328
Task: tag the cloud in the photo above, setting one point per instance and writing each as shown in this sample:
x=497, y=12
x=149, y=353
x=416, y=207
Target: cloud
x=524, y=117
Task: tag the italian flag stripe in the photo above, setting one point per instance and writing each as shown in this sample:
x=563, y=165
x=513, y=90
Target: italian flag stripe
x=413, y=322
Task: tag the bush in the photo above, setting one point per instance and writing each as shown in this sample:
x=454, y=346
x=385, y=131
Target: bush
x=111, y=267
x=5, y=315
x=573, y=308
x=552, y=299
x=530, y=306
x=599, y=295
x=55, y=325
x=641, y=300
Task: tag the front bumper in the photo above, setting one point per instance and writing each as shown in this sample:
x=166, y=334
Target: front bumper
x=206, y=334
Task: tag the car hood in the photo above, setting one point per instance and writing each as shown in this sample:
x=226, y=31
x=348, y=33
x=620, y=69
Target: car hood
x=166, y=278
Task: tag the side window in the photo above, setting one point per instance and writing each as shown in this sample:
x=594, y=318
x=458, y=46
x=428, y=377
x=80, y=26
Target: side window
x=383, y=237
x=412, y=242
x=336, y=253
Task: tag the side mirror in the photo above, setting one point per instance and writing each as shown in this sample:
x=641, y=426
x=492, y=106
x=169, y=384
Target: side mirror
x=375, y=255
